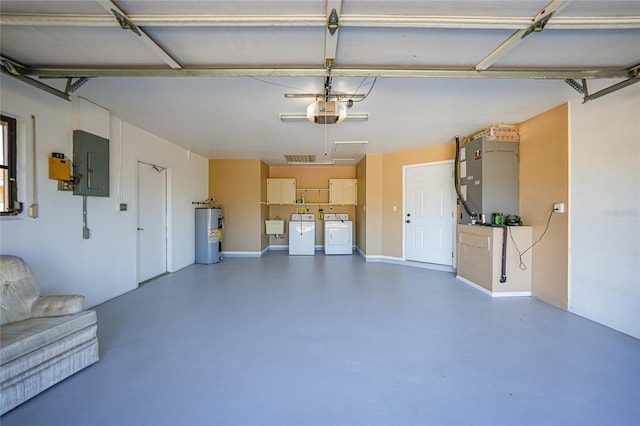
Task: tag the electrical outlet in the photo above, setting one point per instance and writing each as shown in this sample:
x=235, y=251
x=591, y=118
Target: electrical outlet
x=123, y=207
x=65, y=185
x=558, y=207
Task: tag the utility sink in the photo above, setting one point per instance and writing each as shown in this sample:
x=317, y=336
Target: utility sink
x=274, y=227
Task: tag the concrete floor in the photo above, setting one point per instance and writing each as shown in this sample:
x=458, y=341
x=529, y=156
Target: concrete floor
x=336, y=341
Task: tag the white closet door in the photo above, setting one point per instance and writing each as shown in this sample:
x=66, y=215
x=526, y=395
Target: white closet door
x=152, y=221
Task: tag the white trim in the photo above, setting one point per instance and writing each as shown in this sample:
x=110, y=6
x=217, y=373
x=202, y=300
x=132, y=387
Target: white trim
x=494, y=294
x=243, y=253
x=402, y=262
x=168, y=185
x=278, y=247
x=570, y=199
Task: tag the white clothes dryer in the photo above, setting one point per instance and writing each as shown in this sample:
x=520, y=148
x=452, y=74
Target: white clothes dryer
x=338, y=234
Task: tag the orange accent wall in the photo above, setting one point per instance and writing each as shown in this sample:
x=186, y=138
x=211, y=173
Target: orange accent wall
x=391, y=185
x=544, y=181
x=372, y=208
x=237, y=186
x=264, y=209
x=361, y=209
x=312, y=177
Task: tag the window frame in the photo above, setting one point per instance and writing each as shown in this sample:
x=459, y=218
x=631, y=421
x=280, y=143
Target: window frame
x=13, y=207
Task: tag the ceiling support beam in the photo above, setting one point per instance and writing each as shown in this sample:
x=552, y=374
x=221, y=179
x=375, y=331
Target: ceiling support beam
x=539, y=22
x=125, y=22
x=610, y=89
x=331, y=33
x=439, y=72
x=35, y=83
x=368, y=21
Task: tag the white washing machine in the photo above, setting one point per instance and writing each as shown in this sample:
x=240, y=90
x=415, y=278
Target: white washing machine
x=302, y=234
x=338, y=234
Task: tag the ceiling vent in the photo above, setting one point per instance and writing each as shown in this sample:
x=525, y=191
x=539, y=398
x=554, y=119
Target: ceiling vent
x=305, y=160
x=331, y=112
x=300, y=158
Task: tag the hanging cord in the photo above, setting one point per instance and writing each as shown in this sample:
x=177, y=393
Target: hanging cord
x=369, y=92
x=325, y=138
x=522, y=265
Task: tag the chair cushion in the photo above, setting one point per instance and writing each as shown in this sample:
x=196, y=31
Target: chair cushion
x=23, y=337
x=55, y=306
x=18, y=289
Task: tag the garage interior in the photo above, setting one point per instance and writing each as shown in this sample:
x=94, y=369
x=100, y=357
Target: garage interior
x=220, y=97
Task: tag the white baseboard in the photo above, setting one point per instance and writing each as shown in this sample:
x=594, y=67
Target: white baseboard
x=494, y=294
x=278, y=248
x=243, y=253
x=400, y=261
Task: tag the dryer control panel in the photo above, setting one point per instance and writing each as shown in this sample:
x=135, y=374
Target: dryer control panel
x=336, y=216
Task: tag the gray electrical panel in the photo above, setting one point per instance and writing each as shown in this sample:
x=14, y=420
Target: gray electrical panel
x=489, y=178
x=90, y=164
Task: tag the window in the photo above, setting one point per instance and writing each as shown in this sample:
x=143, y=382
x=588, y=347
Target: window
x=8, y=189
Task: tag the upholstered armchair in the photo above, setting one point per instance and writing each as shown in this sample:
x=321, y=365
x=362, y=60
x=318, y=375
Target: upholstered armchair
x=43, y=339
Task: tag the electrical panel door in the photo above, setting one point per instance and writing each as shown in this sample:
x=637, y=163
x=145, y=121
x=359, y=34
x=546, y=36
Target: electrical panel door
x=90, y=164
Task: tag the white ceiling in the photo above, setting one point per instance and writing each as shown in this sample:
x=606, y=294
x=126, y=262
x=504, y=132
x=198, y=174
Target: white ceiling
x=236, y=115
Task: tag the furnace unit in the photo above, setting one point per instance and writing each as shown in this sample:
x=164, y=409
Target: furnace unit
x=488, y=176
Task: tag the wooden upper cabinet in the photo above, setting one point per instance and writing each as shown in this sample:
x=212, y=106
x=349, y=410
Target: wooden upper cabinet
x=281, y=191
x=343, y=191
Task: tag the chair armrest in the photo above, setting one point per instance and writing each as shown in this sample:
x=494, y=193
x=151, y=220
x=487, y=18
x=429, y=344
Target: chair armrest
x=56, y=306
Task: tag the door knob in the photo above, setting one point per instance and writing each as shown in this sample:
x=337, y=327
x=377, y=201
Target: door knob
x=140, y=229
x=407, y=221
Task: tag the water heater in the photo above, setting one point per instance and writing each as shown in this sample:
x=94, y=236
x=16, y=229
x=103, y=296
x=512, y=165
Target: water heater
x=209, y=228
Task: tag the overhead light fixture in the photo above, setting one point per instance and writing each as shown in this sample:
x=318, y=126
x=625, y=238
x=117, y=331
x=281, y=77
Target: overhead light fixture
x=331, y=95
x=316, y=163
x=303, y=117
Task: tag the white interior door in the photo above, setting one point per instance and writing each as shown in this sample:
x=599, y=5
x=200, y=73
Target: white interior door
x=429, y=213
x=152, y=221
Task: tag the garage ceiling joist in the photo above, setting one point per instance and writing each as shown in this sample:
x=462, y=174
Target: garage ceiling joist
x=125, y=23
x=330, y=64
x=399, y=72
x=538, y=23
x=368, y=21
x=331, y=33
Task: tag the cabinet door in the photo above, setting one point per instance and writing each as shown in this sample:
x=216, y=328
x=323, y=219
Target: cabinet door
x=336, y=191
x=350, y=195
x=288, y=191
x=281, y=191
x=274, y=191
x=343, y=191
